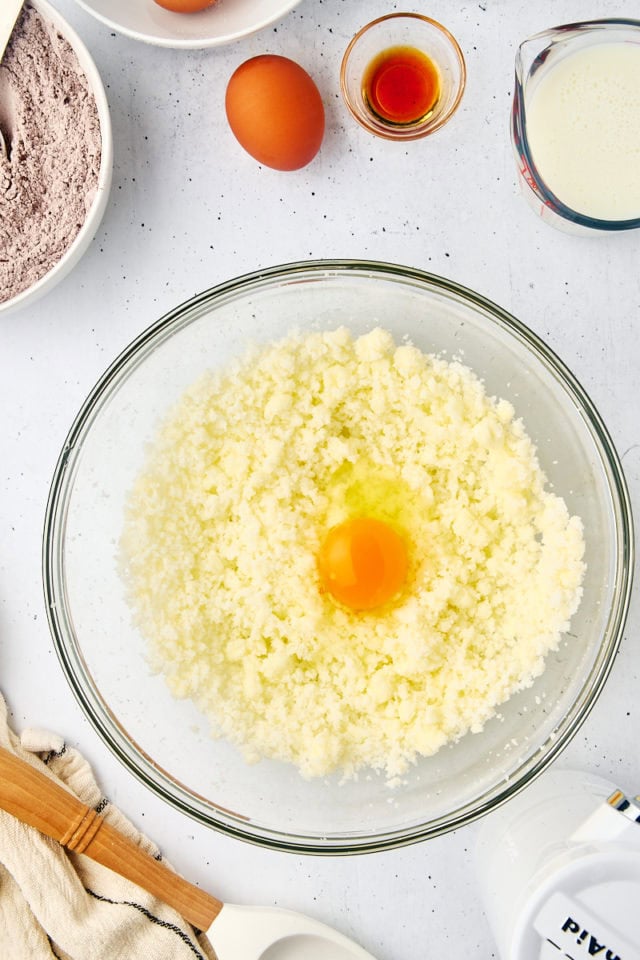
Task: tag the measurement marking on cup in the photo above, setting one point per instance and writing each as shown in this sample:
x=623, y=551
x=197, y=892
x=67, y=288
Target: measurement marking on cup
x=558, y=947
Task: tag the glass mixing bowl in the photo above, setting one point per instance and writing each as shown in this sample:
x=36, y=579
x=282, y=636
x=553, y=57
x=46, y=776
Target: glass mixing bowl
x=164, y=741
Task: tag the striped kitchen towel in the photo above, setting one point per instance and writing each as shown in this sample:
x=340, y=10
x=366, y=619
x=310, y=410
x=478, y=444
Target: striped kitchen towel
x=59, y=905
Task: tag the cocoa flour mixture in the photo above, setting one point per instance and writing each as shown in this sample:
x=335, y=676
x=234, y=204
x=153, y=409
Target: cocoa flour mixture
x=49, y=168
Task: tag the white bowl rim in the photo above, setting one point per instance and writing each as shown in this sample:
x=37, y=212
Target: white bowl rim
x=94, y=216
x=191, y=43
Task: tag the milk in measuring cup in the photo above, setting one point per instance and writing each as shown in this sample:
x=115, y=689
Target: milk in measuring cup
x=583, y=130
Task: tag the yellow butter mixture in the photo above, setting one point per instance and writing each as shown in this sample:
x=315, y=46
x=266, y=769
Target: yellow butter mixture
x=223, y=531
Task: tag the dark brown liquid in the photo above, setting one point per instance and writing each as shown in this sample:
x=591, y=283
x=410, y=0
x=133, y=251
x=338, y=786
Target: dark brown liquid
x=402, y=85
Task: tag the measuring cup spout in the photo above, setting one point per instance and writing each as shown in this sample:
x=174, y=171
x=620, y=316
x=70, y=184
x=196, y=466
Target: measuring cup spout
x=531, y=59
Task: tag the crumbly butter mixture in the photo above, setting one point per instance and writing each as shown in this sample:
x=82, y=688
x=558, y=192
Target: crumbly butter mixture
x=225, y=522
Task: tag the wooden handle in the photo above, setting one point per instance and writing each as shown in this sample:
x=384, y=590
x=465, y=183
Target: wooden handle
x=34, y=798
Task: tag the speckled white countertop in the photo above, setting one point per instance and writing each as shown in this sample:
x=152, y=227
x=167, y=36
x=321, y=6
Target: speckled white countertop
x=189, y=209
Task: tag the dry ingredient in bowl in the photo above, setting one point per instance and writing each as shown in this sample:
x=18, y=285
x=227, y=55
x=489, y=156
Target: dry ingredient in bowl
x=223, y=529
x=49, y=171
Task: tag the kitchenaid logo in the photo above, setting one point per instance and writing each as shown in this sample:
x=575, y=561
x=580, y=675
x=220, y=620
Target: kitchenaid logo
x=578, y=934
x=589, y=941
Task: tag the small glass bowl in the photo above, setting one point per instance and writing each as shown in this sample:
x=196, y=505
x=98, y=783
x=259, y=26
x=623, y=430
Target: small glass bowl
x=403, y=30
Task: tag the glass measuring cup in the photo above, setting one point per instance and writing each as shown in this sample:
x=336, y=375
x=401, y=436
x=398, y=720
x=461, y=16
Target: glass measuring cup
x=539, y=60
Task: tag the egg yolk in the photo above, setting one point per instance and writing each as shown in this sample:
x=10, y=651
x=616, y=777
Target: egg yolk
x=363, y=563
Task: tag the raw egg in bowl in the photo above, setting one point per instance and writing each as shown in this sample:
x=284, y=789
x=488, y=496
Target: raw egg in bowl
x=288, y=526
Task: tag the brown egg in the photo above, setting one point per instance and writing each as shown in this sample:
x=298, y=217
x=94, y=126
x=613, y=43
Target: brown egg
x=275, y=112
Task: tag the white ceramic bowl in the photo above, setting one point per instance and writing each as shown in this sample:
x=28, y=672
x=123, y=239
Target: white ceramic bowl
x=165, y=741
x=224, y=22
x=95, y=214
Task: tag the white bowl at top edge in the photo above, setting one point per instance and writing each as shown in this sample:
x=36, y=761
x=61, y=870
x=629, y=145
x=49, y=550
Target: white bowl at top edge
x=94, y=216
x=224, y=22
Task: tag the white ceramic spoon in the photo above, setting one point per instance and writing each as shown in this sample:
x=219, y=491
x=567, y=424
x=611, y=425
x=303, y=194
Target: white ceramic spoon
x=236, y=932
x=9, y=13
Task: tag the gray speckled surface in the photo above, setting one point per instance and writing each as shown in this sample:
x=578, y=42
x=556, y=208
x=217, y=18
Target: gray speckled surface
x=189, y=209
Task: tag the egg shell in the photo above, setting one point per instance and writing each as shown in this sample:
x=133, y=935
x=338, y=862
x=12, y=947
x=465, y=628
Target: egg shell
x=275, y=111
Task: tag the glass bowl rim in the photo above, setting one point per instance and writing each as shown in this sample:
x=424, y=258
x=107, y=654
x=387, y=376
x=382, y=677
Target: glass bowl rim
x=137, y=761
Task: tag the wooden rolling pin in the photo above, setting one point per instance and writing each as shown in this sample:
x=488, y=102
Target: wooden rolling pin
x=36, y=799
x=238, y=933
